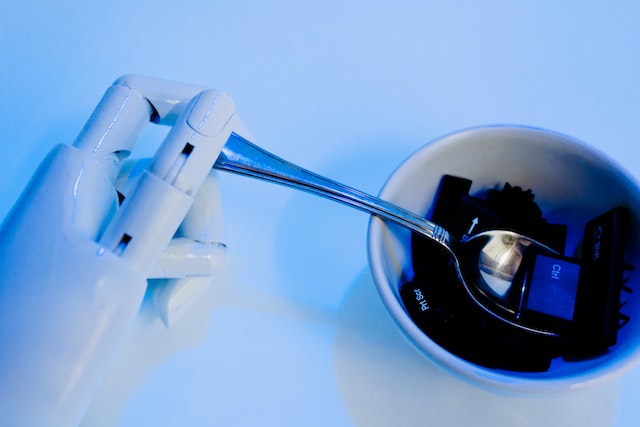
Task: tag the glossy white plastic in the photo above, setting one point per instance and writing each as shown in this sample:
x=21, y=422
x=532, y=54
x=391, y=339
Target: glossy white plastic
x=74, y=264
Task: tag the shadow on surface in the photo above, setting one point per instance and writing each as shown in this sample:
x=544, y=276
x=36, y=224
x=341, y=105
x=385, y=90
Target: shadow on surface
x=384, y=381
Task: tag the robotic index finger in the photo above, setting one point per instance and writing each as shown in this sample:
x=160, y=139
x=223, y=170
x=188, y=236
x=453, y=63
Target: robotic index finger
x=73, y=265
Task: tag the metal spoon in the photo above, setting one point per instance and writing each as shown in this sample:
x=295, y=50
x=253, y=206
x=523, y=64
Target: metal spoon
x=497, y=254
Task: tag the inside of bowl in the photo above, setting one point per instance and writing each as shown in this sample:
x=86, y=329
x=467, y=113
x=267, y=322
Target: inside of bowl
x=572, y=184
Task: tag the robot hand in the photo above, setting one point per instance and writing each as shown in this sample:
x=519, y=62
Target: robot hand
x=90, y=229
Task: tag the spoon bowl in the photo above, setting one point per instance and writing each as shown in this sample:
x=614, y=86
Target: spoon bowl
x=494, y=258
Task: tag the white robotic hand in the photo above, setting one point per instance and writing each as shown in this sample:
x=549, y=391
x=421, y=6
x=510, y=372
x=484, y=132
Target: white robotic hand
x=89, y=230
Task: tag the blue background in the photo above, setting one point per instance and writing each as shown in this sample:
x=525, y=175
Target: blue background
x=293, y=333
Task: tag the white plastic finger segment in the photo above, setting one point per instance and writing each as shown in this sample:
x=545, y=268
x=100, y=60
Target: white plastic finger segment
x=168, y=98
x=205, y=220
x=189, y=258
x=194, y=143
x=114, y=127
x=175, y=298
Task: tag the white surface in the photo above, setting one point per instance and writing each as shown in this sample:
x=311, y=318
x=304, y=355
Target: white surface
x=294, y=333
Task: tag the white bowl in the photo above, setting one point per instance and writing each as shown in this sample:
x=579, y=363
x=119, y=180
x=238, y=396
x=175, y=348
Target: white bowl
x=572, y=182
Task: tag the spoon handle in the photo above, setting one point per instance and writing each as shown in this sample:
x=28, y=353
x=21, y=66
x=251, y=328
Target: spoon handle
x=244, y=158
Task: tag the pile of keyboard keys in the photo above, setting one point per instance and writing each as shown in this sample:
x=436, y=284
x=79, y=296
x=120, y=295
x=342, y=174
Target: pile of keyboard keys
x=577, y=300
